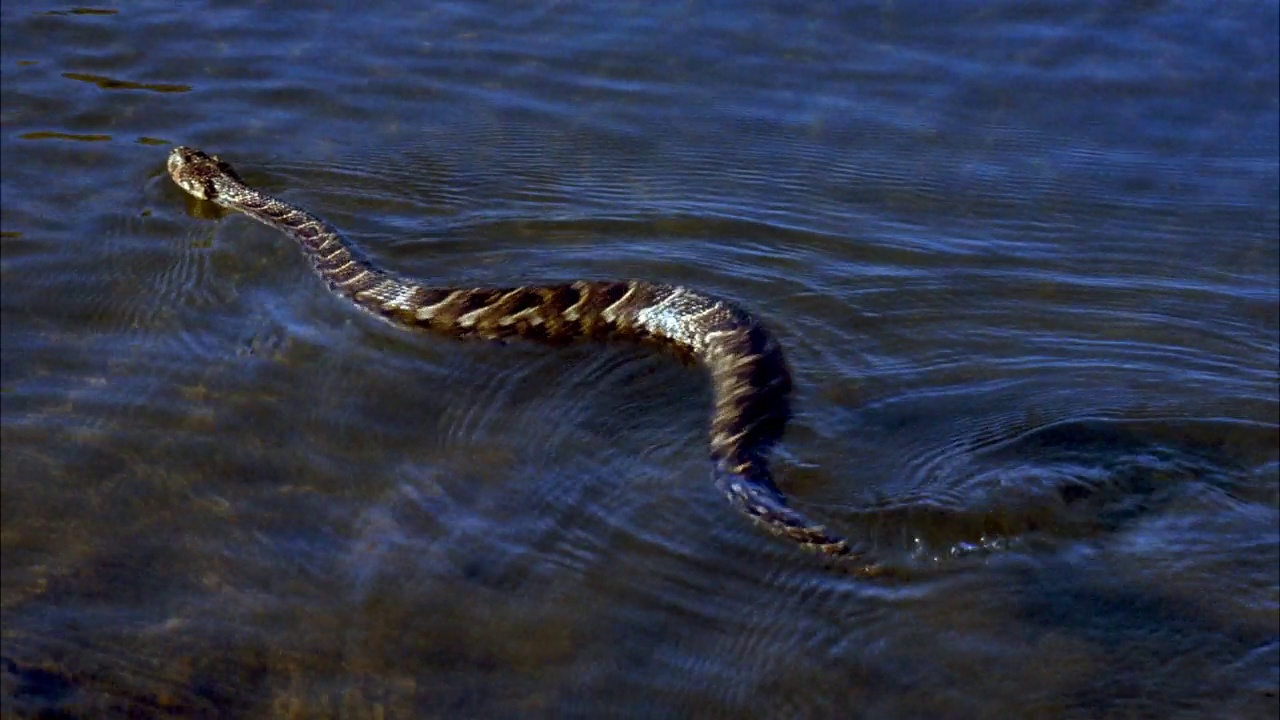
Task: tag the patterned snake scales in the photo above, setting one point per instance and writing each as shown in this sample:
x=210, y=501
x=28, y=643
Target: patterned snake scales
x=749, y=376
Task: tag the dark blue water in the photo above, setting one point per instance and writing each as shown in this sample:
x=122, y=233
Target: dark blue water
x=1024, y=260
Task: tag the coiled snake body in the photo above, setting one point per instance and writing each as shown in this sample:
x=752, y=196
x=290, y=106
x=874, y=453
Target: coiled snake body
x=749, y=377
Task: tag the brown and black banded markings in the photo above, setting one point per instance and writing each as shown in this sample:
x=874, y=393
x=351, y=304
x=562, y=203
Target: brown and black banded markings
x=749, y=377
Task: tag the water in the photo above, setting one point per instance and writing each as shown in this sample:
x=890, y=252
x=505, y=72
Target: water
x=1023, y=259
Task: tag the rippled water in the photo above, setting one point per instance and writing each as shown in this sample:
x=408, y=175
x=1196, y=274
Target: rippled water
x=1023, y=258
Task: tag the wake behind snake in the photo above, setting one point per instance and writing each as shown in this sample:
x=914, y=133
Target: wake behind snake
x=749, y=377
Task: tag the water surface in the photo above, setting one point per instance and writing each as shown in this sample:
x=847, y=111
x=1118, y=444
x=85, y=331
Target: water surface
x=1023, y=258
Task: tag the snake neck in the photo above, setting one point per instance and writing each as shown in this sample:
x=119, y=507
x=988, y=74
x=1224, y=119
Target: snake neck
x=330, y=253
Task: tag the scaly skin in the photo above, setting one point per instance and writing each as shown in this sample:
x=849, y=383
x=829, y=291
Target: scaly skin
x=749, y=376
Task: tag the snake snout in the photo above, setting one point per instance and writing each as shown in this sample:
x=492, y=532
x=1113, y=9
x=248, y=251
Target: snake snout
x=189, y=168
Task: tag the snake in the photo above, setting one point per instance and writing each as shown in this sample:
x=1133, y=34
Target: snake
x=749, y=376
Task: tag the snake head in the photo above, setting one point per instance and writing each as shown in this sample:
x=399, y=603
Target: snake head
x=198, y=173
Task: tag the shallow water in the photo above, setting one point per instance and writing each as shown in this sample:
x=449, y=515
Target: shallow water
x=1023, y=259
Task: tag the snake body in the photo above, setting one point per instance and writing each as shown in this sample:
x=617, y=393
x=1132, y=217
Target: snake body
x=749, y=376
